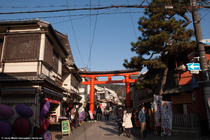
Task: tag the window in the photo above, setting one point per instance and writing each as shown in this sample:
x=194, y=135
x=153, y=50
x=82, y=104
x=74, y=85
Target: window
x=24, y=47
x=48, y=53
x=55, y=61
x=74, y=82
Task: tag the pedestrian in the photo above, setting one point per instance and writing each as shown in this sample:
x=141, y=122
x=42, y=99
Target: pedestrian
x=106, y=113
x=111, y=112
x=98, y=113
x=142, y=120
x=76, y=118
x=127, y=122
x=114, y=112
x=123, y=124
x=119, y=115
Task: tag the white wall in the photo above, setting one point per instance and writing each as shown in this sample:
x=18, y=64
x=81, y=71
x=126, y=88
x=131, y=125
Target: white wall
x=20, y=67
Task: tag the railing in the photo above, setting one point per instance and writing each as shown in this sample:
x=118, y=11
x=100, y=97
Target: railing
x=185, y=121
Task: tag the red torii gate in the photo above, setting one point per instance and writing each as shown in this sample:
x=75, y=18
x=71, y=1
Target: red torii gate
x=109, y=74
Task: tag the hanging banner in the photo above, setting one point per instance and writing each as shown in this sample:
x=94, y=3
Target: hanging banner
x=85, y=104
x=166, y=117
x=91, y=115
x=157, y=107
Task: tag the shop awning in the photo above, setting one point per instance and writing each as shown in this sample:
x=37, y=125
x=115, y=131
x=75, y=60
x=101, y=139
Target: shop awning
x=51, y=92
x=52, y=101
x=146, y=100
x=178, y=89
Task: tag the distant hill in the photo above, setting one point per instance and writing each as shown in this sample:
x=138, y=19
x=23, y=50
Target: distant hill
x=116, y=87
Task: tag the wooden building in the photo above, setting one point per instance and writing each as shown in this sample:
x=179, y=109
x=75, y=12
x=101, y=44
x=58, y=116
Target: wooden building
x=36, y=65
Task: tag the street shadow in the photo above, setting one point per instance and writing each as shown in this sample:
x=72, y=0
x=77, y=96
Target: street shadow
x=113, y=131
x=58, y=137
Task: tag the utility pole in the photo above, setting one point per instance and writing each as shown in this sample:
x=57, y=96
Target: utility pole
x=203, y=61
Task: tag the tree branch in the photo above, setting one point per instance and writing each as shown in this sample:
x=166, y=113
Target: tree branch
x=151, y=56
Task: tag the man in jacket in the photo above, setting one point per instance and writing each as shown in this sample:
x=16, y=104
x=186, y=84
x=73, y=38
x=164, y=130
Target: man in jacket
x=119, y=115
x=142, y=120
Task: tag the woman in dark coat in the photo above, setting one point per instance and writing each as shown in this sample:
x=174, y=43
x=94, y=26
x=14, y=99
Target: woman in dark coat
x=98, y=113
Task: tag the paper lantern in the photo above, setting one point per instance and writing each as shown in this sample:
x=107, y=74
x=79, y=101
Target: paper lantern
x=24, y=110
x=47, y=135
x=45, y=109
x=6, y=111
x=42, y=128
x=22, y=127
x=5, y=128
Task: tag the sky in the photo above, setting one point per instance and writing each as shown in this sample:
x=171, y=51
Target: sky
x=107, y=33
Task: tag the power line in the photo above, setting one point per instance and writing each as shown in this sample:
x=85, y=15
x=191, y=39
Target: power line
x=132, y=20
x=83, y=16
x=75, y=36
x=77, y=9
x=90, y=36
x=91, y=46
x=98, y=8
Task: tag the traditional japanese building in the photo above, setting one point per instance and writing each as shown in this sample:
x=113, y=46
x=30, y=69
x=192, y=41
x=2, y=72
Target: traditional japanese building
x=36, y=66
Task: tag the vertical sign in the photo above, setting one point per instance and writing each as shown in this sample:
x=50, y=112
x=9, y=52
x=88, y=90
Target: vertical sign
x=91, y=115
x=157, y=107
x=65, y=127
x=167, y=117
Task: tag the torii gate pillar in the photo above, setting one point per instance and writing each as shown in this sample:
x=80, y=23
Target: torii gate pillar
x=128, y=97
x=92, y=94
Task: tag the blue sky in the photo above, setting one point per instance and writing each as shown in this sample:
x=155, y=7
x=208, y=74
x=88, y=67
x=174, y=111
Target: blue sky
x=113, y=31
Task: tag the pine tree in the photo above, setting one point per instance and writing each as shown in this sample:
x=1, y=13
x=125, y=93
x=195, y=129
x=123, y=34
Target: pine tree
x=163, y=36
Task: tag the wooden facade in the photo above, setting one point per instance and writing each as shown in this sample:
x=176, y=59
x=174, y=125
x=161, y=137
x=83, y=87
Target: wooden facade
x=32, y=59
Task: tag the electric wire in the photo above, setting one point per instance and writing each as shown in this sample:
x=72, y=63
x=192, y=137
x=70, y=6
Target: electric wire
x=94, y=30
x=75, y=36
x=90, y=35
x=132, y=20
x=82, y=16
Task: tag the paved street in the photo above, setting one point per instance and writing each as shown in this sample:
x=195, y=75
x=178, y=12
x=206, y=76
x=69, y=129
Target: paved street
x=107, y=130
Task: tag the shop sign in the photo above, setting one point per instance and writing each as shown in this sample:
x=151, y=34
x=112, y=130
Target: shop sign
x=52, y=101
x=66, y=127
x=157, y=107
x=166, y=117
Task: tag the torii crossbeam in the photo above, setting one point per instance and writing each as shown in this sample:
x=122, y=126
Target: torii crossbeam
x=109, y=74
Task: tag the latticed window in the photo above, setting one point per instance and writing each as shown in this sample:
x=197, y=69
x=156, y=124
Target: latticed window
x=55, y=61
x=22, y=47
x=48, y=54
x=74, y=81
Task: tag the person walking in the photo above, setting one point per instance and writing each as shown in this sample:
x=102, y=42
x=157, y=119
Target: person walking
x=98, y=113
x=142, y=120
x=119, y=115
x=127, y=122
x=76, y=118
x=106, y=113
